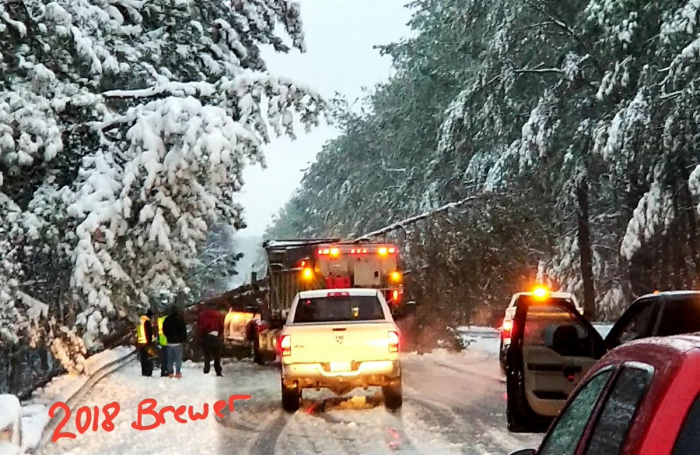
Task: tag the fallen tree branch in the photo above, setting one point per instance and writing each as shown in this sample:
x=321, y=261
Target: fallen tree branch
x=412, y=220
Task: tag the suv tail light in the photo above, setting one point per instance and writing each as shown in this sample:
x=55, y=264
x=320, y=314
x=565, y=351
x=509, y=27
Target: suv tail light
x=506, y=330
x=393, y=342
x=286, y=345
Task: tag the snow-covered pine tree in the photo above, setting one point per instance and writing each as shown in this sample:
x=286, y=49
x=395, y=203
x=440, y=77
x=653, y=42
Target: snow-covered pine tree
x=588, y=108
x=124, y=128
x=218, y=260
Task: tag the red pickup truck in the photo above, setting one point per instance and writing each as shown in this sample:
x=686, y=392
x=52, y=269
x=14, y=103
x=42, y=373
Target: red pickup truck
x=642, y=398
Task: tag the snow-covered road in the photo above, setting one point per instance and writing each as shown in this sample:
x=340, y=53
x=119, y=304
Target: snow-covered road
x=454, y=403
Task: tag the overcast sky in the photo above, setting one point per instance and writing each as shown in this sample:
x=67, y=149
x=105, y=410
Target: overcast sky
x=339, y=58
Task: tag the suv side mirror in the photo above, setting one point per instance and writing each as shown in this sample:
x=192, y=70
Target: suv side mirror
x=525, y=452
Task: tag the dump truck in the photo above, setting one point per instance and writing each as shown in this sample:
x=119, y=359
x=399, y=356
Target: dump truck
x=310, y=264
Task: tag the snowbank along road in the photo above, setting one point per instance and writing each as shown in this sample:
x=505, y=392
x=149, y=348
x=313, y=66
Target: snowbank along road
x=453, y=403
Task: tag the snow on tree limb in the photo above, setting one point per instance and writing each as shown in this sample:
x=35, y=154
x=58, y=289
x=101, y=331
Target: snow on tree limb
x=412, y=220
x=121, y=145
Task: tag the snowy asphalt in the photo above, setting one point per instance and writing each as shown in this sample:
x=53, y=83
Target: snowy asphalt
x=454, y=403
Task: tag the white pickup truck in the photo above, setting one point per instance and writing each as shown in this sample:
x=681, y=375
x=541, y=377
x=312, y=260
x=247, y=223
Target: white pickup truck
x=340, y=339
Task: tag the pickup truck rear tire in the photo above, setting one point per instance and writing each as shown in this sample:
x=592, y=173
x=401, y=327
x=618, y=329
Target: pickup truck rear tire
x=393, y=395
x=291, y=398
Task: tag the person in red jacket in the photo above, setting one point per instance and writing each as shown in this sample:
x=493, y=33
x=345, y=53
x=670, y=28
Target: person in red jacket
x=210, y=330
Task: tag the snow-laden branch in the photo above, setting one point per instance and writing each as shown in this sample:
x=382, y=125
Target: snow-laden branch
x=538, y=70
x=171, y=88
x=542, y=8
x=403, y=223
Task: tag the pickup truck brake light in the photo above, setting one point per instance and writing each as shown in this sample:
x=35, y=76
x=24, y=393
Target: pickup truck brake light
x=338, y=294
x=393, y=342
x=286, y=345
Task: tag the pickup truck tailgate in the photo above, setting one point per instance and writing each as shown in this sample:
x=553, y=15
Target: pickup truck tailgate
x=350, y=342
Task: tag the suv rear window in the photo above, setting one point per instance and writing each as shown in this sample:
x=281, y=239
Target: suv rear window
x=549, y=301
x=680, y=315
x=545, y=323
x=339, y=309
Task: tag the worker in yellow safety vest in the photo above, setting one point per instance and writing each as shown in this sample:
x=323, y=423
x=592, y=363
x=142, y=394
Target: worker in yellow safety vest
x=144, y=342
x=162, y=343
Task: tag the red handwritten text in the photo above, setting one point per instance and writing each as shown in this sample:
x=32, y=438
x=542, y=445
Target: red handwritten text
x=84, y=417
x=148, y=416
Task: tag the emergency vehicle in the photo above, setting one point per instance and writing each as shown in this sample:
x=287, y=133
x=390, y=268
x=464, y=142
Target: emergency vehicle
x=310, y=264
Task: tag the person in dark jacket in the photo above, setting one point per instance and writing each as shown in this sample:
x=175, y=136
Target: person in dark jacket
x=210, y=331
x=175, y=330
x=144, y=343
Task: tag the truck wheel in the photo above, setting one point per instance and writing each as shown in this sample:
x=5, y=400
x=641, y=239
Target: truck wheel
x=393, y=395
x=291, y=398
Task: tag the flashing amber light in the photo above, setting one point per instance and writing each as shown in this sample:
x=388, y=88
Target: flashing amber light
x=335, y=252
x=395, y=295
x=383, y=251
x=656, y=292
x=396, y=276
x=307, y=273
x=392, y=250
x=541, y=292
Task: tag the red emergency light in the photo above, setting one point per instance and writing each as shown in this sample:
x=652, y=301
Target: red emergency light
x=338, y=282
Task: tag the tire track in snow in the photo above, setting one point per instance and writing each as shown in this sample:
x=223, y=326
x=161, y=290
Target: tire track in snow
x=331, y=411
x=346, y=443
x=266, y=442
x=439, y=417
x=307, y=433
x=338, y=420
x=459, y=430
x=506, y=442
x=477, y=437
x=473, y=372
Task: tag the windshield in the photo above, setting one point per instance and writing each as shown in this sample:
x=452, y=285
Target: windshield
x=339, y=309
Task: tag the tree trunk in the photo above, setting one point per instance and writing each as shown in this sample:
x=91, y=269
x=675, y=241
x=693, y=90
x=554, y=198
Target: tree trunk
x=689, y=212
x=585, y=251
x=665, y=263
x=679, y=247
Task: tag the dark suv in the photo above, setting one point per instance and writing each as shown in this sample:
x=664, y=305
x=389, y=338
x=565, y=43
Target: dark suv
x=553, y=346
